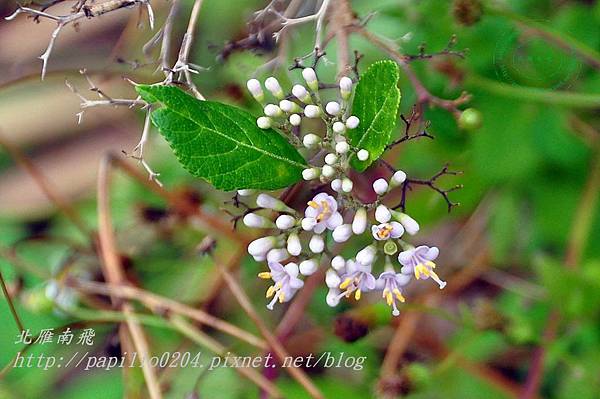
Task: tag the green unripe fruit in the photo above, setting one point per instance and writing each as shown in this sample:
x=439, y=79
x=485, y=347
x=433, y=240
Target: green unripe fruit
x=390, y=248
x=470, y=119
x=36, y=300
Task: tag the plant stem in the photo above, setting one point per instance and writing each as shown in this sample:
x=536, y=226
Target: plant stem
x=11, y=305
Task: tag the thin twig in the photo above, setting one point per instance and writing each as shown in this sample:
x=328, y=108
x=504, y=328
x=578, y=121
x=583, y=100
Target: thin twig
x=11, y=305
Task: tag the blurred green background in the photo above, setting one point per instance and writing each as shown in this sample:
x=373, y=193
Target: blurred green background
x=526, y=170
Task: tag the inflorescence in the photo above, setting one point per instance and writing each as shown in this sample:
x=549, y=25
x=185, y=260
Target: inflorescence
x=299, y=243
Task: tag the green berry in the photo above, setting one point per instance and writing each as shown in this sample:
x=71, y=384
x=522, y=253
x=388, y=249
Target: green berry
x=470, y=119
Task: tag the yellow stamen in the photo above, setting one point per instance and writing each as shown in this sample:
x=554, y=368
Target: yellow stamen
x=281, y=297
x=399, y=295
x=270, y=291
x=265, y=275
x=325, y=212
x=389, y=298
x=312, y=204
x=430, y=264
x=385, y=231
x=421, y=269
x=345, y=283
x=357, y=295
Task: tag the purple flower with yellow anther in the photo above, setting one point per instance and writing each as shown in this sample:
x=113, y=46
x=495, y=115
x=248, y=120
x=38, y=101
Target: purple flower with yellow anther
x=286, y=282
x=385, y=231
x=322, y=213
x=390, y=282
x=420, y=262
x=357, y=279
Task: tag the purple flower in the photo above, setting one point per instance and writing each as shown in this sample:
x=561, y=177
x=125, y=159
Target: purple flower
x=322, y=213
x=286, y=282
x=420, y=262
x=390, y=282
x=385, y=231
x=357, y=279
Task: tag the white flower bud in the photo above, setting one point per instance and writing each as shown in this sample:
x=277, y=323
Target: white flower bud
x=288, y=106
x=316, y=244
x=311, y=173
x=268, y=202
x=293, y=244
x=398, y=178
x=336, y=185
x=410, y=225
x=257, y=221
x=285, y=222
x=332, y=279
x=342, y=233
x=359, y=223
x=295, y=119
x=345, y=87
x=362, y=155
x=254, y=88
x=342, y=147
x=308, y=267
x=301, y=93
x=272, y=110
x=366, y=256
x=274, y=87
x=261, y=246
x=382, y=214
x=277, y=255
x=263, y=122
x=331, y=159
x=352, y=122
x=339, y=127
x=333, y=108
x=308, y=224
x=347, y=185
x=338, y=263
x=312, y=111
x=333, y=298
x=260, y=258
x=328, y=171
x=310, y=77
x=246, y=193
x=291, y=269
x=380, y=186
x=310, y=140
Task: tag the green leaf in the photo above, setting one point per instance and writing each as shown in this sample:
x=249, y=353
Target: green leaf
x=376, y=104
x=221, y=143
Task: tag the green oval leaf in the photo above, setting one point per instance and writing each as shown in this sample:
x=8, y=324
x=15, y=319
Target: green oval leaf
x=376, y=102
x=221, y=143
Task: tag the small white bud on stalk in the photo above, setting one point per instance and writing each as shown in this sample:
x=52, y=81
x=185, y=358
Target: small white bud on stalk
x=312, y=111
x=263, y=122
x=293, y=244
x=277, y=255
x=398, y=178
x=273, y=110
x=347, y=185
x=316, y=244
x=366, y=256
x=288, y=106
x=261, y=246
x=257, y=221
x=274, y=87
x=310, y=77
x=295, y=119
x=382, y=214
x=246, y=192
x=380, y=186
x=362, y=155
x=339, y=127
x=352, y=122
x=285, y=222
x=308, y=267
x=338, y=263
x=311, y=173
x=336, y=185
x=255, y=89
x=342, y=233
x=310, y=140
x=266, y=201
x=342, y=147
x=301, y=94
x=333, y=298
x=345, y=87
x=331, y=159
x=359, y=223
x=332, y=279
x=333, y=108
x=410, y=225
x=308, y=224
x=328, y=171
